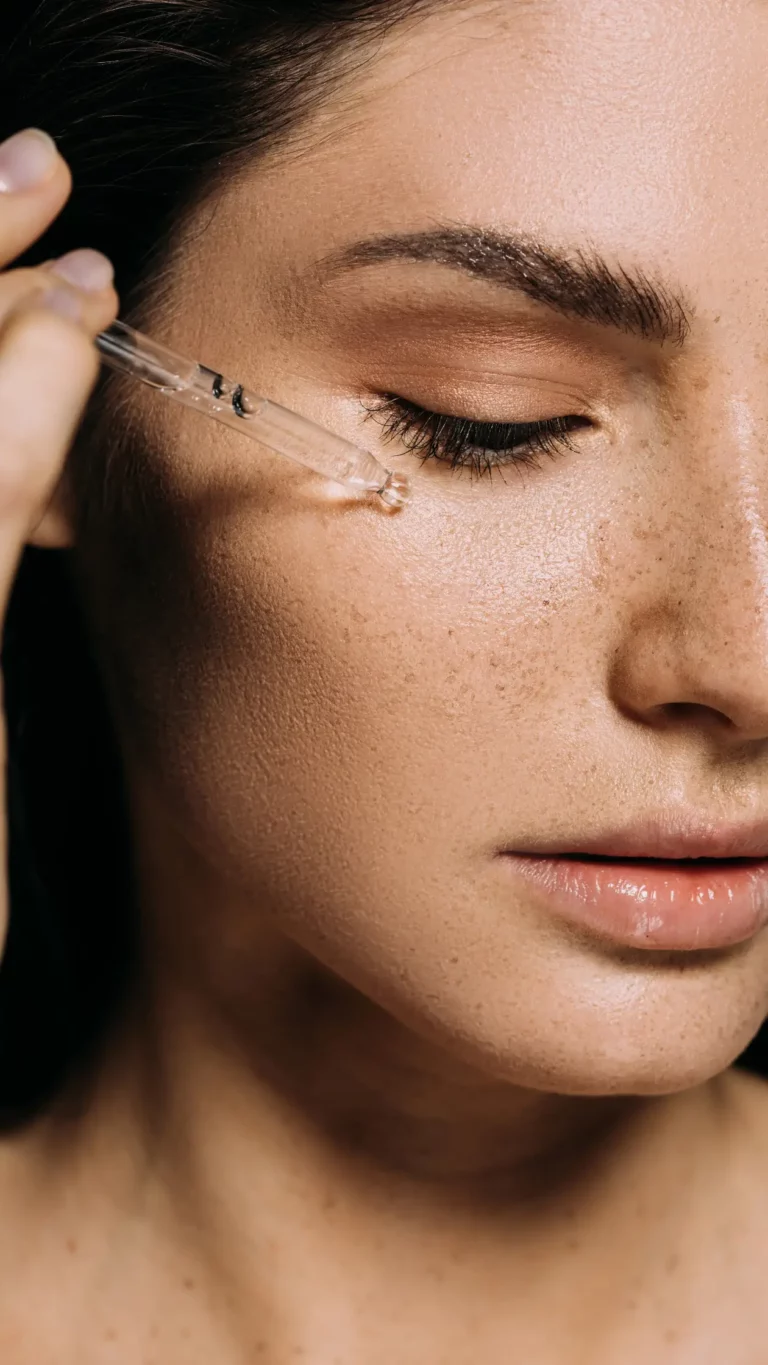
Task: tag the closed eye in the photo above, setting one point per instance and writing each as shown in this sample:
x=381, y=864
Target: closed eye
x=465, y=443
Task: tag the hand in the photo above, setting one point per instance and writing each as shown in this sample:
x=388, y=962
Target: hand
x=49, y=317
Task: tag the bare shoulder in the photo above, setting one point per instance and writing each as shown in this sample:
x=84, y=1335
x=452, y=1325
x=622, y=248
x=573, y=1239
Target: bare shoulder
x=20, y=1190
x=22, y=1238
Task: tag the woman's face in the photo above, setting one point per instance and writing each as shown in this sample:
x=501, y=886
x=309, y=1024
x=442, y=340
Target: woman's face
x=335, y=718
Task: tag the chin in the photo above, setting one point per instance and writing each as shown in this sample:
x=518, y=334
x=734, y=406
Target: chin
x=651, y=1037
x=612, y=1066
x=615, y=1072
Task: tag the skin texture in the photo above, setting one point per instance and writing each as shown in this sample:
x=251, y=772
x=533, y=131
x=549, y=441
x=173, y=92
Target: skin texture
x=344, y=714
x=374, y=1097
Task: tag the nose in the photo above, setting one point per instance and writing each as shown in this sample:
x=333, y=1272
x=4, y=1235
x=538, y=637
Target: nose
x=694, y=646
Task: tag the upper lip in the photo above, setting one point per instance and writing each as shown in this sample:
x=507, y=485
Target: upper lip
x=660, y=837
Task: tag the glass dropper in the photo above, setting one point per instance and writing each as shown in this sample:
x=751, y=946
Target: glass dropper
x=273, y=426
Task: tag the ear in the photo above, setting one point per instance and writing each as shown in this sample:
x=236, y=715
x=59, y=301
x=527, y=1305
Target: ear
x=55, y=529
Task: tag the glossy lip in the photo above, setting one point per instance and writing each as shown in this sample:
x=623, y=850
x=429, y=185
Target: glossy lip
x=650, y=891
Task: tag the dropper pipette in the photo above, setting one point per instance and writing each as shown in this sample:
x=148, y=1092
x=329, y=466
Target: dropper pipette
x=273, y=426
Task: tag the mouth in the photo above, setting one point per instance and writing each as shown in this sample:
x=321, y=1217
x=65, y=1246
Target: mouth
x=672, y=903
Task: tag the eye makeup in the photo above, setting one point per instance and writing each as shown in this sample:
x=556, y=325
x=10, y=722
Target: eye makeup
x=466, y=443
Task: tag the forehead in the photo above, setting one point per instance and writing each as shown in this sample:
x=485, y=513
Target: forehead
x=638, y=125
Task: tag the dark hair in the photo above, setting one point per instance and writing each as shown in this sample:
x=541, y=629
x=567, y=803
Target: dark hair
x=152, y=102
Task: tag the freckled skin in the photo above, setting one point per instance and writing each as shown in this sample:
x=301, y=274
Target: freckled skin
x=342, y=759
x=332, y=718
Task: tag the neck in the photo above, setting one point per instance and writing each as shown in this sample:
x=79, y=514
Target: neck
x=375, y=1170
x=267, y=1102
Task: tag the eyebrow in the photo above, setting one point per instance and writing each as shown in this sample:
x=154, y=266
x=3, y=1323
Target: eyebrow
x=577, y=283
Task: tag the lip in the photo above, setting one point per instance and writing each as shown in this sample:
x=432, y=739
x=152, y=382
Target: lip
x=642, y=887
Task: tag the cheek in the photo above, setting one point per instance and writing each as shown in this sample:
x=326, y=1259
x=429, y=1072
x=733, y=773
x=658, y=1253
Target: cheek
x=319, y=692
x=347, y=715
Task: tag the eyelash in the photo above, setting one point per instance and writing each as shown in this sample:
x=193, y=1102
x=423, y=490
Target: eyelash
x=464, y=443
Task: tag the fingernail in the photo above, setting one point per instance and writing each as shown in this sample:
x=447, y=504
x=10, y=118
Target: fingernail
x=27, y=159
x=62, y=302
x=87, y=269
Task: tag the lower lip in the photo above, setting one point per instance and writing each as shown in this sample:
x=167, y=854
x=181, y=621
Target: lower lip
x=654, y=904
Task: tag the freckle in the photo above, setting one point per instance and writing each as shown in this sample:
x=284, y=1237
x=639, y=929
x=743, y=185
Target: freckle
x=672, y=1262
x=454, y=957
x=110, y=1334
x=71, y=1246
x=189, y=1284
x=671, y=1335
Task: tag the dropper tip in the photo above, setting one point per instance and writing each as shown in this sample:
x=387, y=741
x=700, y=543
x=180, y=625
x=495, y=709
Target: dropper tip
x=396, y=491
